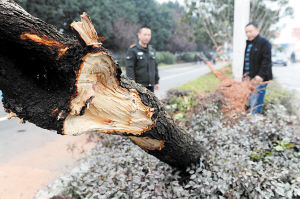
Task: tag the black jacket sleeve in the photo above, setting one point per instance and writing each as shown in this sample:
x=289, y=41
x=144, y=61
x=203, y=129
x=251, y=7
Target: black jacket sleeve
x=156, y=72
x=130, y=63
x=266, y=62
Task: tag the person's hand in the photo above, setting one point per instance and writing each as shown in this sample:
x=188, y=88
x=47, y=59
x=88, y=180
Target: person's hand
x=246, y=78
x=256, y=80
x=156, y=86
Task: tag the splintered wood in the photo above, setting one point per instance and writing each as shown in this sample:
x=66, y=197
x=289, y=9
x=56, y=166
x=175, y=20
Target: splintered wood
x=102, y=105
x=87, y=31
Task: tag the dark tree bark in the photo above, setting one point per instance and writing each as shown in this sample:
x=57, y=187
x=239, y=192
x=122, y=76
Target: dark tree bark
x=71, y=84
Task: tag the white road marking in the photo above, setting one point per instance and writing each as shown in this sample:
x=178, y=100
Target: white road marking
x=180, y=74
x=176, y=69
x=3, y=119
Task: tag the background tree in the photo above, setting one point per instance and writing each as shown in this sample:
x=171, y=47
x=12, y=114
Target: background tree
x=268, y=13
x=106, y=14
x=213, y=19
x=182, y=39
x=123, y=33
x=158, y=17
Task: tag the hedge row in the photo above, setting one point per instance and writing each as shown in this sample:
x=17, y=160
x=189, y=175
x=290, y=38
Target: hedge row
x=164, y=57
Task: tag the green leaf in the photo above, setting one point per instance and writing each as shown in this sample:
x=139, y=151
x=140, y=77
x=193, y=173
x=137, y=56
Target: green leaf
x=278, y=148
x=289, y=145
x=178, y=116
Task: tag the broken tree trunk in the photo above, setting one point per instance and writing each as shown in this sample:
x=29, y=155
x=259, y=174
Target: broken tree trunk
x=71, y=84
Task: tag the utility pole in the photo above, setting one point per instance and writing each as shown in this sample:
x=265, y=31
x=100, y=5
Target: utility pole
x=241, y=18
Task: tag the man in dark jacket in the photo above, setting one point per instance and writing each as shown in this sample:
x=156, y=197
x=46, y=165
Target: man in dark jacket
x=257, y=65
x=141, y=65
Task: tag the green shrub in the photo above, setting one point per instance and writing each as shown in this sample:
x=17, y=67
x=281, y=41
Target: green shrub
x=165, y=57
x=257, y=156
x=188, y=57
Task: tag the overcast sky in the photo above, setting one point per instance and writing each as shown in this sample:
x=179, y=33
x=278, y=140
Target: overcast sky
x=180, y=1
x=289, y=23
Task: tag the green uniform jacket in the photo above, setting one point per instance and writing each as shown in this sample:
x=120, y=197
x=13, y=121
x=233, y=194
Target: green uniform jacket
x=141, y=65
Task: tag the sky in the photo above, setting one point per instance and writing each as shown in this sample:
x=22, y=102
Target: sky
x=162, y=1
x=289, y=24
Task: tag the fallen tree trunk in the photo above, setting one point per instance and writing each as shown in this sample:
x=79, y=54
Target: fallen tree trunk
x=70, y=84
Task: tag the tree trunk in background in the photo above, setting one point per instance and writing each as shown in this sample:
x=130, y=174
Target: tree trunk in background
x=70, y=84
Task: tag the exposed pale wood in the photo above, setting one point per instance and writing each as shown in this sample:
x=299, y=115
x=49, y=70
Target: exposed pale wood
x=102, y=105
x=148, y=143
x=87, y=31
x=21, y=121
x=11, y=115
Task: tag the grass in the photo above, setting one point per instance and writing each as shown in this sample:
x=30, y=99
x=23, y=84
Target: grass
x=206, y=83
x=160, y=65
x=176, y=63
x=163, y=64
x=276, y=92
x=277, y=95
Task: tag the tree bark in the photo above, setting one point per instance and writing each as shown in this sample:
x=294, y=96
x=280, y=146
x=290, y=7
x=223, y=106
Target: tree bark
x=70, y=84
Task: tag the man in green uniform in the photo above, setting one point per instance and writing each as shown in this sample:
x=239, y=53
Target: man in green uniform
x=141, y=65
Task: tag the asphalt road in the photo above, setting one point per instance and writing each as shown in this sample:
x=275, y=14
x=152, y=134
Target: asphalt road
x=174, y=76
x=288, y=77
x=16, y=138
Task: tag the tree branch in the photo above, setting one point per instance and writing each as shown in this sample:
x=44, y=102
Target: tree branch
x=72, y=85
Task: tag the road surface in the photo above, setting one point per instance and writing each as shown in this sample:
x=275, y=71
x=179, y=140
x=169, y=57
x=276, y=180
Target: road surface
x=288, y=77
